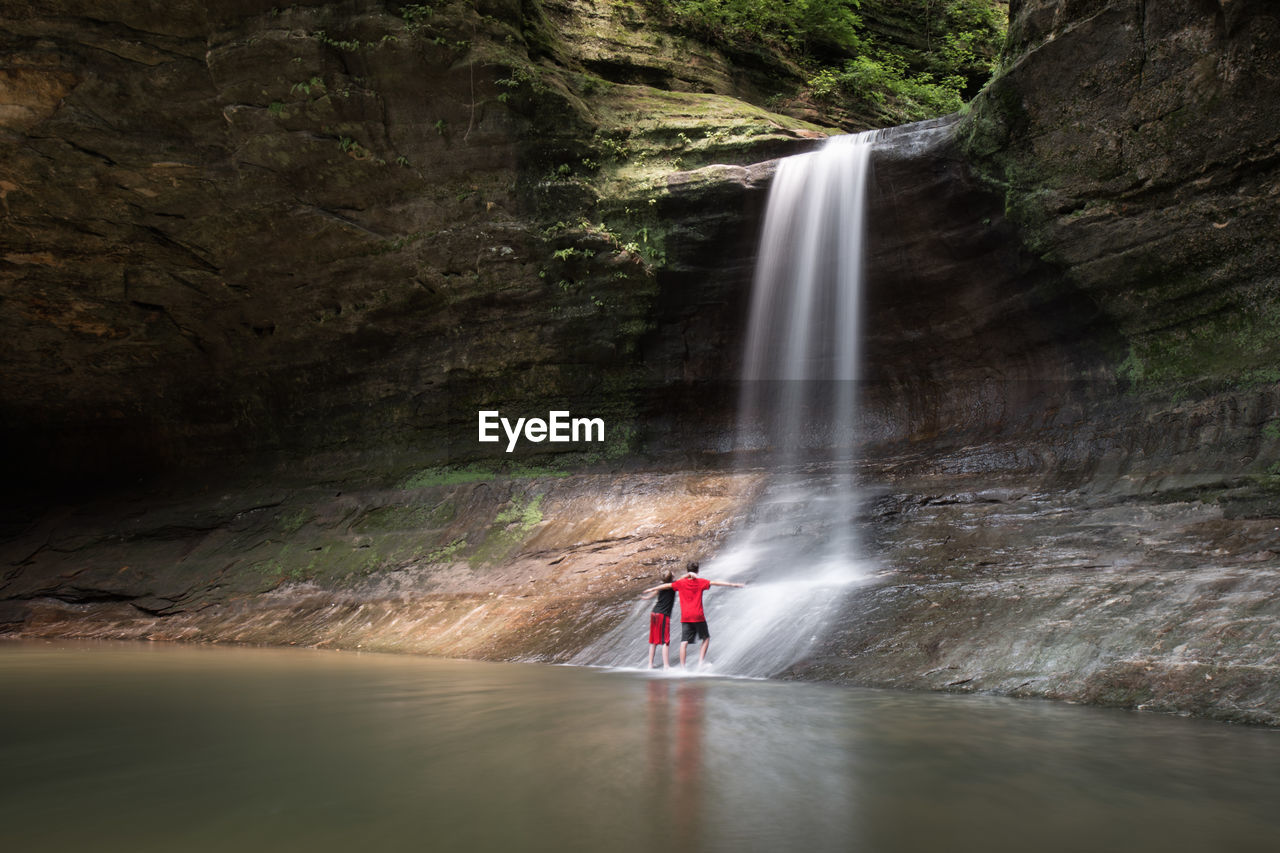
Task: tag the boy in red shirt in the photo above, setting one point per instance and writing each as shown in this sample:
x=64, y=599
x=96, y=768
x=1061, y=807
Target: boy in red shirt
x=693, y=622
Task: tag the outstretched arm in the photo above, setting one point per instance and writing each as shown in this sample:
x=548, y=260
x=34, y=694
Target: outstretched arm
x=653, y=590
x=726, y=583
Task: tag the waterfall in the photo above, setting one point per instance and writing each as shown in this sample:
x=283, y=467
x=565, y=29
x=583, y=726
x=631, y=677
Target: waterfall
x=797, y=419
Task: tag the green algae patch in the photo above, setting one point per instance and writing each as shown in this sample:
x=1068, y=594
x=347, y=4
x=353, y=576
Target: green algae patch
x=445, y=553
x=330, y=562
x=1227, y=349
x=511, y=526
x=293, y=520
x=668, y=132
x=408, y=517
x=523, y=516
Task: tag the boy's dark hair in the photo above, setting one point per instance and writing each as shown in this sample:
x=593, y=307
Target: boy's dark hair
x=692, y=566
x=667, y=577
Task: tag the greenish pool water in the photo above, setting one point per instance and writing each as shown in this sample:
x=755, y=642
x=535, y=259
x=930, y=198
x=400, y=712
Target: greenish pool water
x=149, y=748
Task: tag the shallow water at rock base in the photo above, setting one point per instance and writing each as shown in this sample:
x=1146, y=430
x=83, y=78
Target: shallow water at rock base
x=153, y=747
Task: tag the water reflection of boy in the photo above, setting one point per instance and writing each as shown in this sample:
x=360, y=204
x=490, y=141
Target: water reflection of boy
x=687, y=806
x=693, y=621
x=660, y=622
x=683, y=801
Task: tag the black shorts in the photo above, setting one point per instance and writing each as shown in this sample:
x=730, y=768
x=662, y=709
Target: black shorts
x=690, y=631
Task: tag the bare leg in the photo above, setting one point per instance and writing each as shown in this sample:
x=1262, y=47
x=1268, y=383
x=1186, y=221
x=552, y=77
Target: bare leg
x=652, y=648
x=684, y=647
x=702, y=655
x=666, y=656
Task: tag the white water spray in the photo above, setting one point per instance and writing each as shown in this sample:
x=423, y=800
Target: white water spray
x=797, y=417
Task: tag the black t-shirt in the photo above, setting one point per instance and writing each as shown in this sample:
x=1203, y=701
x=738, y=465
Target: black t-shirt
x=666, y=601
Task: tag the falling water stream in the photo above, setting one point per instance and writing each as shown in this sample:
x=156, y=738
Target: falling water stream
x=797, y=419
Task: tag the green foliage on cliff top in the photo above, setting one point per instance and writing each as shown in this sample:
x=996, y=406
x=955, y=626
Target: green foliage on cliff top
x=886, y=85
x=941, y=38
x=881, y=62
x=806, y=25
x=916, y=59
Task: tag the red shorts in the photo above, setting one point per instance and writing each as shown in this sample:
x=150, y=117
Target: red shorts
x=659, y=629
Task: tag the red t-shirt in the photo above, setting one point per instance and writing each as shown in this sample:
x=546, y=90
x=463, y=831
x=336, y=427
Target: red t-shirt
x=691, y=590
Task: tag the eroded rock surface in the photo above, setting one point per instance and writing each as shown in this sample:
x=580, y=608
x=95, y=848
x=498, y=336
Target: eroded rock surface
x=1138, y=148
x=1139, y=603
x=497, y=569
x=331, y=227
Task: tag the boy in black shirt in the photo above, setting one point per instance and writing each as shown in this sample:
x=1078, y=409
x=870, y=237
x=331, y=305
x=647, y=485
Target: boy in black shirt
x=660, y=622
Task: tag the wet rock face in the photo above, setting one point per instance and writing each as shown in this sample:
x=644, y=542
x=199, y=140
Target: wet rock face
x=1159, y=605
x=328, y=227
x=1136, y=146
x=211, y=220
x=967, y=334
